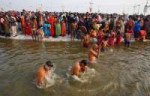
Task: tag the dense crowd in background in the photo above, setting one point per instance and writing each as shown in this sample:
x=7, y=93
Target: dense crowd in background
x=105, y=27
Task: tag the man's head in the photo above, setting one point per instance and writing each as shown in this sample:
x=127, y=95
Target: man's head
x=83, y=63
x=95, y=47
x=48, y=65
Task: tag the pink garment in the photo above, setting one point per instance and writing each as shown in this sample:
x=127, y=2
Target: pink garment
x=111, y=40
x=100, y=34
x=143, y=33
x=118, y=40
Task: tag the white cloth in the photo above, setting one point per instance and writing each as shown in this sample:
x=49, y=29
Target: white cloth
x=14, y=30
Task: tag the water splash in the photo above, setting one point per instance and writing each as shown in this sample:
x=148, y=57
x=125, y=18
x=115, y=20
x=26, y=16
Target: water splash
x=49, y=80
x=85, y=77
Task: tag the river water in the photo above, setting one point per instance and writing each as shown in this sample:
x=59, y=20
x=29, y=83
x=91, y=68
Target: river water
x=123, y=72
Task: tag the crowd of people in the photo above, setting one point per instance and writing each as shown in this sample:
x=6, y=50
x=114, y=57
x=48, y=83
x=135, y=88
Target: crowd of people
x=41, y=25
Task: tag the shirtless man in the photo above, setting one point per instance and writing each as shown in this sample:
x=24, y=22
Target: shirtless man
x=79, y=67
x=86, y=41
x=93, y=54
x=34, y=28
x=93, y=33
x=73, y=33
x=42, y=71
x=40, y=34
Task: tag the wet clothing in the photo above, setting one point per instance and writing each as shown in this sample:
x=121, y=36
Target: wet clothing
x=28, y=28
x=137, y=28
x=118, y=40
x=86, y=44
x=63, y=29
x=6, y=27
x=58, y=29
x=51, y=21
x=111, y=39
x=46, y=29
x=143, y=33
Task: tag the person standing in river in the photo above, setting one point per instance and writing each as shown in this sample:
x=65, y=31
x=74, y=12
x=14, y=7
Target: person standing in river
x=34, y=28
x=52, y=23
x=86, y=40
x=93, y=54
x=63, y=27
x=74, y=30
x=6, y=26
x=13, y=25
x=57, y=28
x=23, y=23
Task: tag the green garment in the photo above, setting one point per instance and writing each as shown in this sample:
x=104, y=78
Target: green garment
x=57, y=29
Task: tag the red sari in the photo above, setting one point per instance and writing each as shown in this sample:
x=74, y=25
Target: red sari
x=28, y=28
x=51, y=21
x=63, y=29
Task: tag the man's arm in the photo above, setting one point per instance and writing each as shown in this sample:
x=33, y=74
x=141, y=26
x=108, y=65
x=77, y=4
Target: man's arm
x=94, y=53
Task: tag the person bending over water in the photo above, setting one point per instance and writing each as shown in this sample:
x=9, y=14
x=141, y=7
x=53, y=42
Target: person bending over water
x=93, y=54
x=79, y=67
x=42, y=72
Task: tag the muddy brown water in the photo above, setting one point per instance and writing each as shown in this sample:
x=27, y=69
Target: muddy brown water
x=123, y=72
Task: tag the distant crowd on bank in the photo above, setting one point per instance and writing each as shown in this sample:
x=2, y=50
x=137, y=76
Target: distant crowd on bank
x=41, y=25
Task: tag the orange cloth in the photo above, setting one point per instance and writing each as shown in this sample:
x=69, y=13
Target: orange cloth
x=52, y=21
x=63, y=29
x=22, y=21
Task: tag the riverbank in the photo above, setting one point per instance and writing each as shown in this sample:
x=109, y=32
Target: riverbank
x=58, y=39
x=52, y=39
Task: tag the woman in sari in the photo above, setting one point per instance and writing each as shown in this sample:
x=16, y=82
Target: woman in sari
x=51, y=22
x=57, y=28
x=6, y=26
x=28, y=27
x=63, y=28
x=46, y=29
x=23, y=24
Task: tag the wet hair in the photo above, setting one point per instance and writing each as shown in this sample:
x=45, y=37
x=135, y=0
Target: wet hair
x=85, y=62
x=49, y=63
